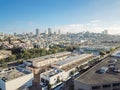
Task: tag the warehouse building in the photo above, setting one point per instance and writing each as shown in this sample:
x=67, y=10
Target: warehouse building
x=70, y=60
x=103, y=76
x=61, y=70
x=49, y=59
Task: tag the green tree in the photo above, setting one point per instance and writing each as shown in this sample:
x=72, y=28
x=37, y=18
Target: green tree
x=58, y=79
x=43, y=52
x=26, y=54
x=69, y=48
x=12, y=57
x=77, y=69
x=49, y=86
x=112, y=49
x=49, y=52
x=2, y=47
x=3, y=64
x=71, y=73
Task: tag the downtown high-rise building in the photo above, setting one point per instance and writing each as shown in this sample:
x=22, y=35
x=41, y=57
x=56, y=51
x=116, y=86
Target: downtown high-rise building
x=37, y=32
x=59, y=32
x=105, y=32
x=49, y=31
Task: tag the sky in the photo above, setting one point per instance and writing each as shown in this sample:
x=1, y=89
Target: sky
x=67, y=15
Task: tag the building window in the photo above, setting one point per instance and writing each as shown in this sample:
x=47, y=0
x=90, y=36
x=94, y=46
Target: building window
x=95, y=87
x=116, y=89
x=116, y=84
x=81, y=89
x=107, y=86
x=42, y=80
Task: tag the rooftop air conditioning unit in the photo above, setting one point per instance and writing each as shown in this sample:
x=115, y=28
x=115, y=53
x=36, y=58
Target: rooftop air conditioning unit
x=112, y=61
x=117, y=70
x=102, y=70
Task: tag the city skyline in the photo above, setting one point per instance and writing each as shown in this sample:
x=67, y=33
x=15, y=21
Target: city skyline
x=66, y=15
x=59, y=45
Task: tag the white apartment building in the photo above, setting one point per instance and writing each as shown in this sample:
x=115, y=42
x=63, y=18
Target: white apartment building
x=15, y=79
x=51, y=77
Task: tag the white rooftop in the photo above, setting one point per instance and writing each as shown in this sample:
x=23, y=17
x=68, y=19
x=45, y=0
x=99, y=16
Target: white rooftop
x=52, y=72
x=72, y=59
x=12, y=73
x=49, y=56
x=116, y=54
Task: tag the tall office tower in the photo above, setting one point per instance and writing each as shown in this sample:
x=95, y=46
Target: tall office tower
x=68, y=33
x=46, y=32
x=59, y=32
x=49, y=31
x=9, y=40
x=55, y=33
x=105, y=31
x=37, y=32
x=15, y=34
x=23, y=33
x=31, y=33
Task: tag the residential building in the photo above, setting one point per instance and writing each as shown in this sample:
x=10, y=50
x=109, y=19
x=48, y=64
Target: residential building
x=52, y=76
x=15, y=78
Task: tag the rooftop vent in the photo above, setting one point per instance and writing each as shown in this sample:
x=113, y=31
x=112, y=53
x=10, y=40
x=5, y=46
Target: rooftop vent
x=118, y=53
x=113, y=69
x=102, y=70
x=4, y=79
x=117, y=70
x=112, y=61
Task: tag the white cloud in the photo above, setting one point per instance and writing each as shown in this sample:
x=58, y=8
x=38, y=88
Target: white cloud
x=93, y=26
x=74, y=28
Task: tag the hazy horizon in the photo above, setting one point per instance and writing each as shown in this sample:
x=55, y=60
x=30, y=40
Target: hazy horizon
x=67, y=15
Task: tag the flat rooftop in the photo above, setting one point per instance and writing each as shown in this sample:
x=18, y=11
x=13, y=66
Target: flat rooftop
x=57, y=55
x=92, y=77
x=72, y=59
x=116, y=54
x=52, y=72
x=12, y=73
x=78, y=63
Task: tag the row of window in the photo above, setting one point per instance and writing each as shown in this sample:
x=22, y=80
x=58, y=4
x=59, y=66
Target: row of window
x=115, y=85
x=106, y=86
